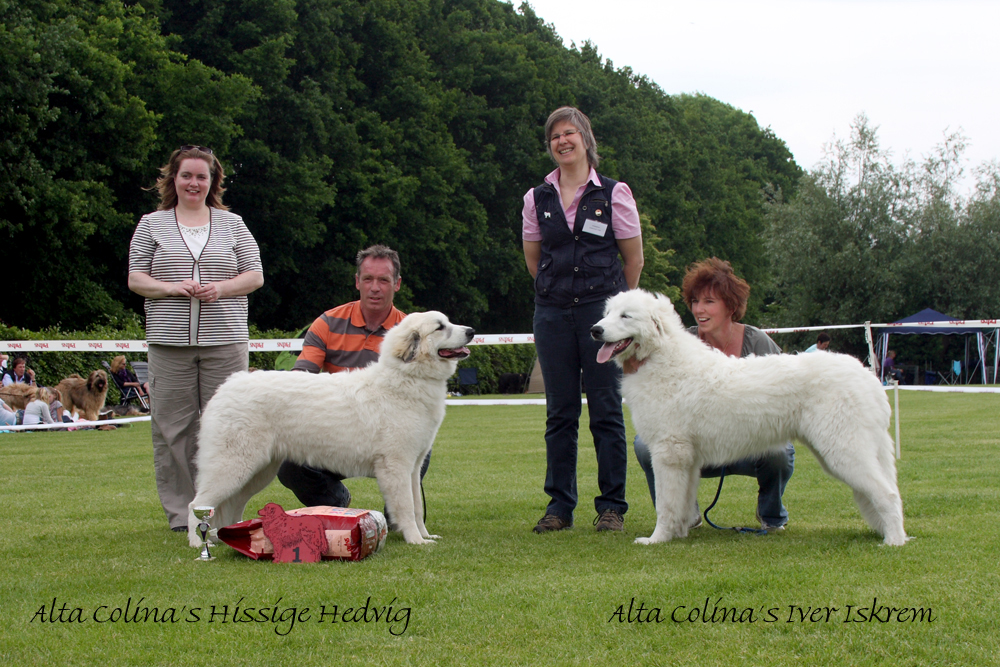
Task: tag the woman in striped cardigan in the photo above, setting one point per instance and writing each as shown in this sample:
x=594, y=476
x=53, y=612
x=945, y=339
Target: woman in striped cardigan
x=195, y=262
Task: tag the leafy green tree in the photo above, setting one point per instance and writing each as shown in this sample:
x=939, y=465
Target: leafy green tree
x=865, y=239
x=834, y=247
x=84, y=91
x=67, y=115
x=954, y=263
x=342, y=123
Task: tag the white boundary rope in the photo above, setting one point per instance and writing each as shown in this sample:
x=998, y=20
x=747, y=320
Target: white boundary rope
x=295, y=344
x=65, y=426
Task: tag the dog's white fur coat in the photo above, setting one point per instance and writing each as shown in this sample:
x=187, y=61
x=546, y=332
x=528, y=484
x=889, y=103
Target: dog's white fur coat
x=378, y=422
x=695, y=406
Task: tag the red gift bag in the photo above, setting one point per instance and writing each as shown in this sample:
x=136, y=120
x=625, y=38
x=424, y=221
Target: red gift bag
x=351, y=534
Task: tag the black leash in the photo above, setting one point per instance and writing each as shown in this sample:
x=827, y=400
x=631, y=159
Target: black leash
x=755, y=531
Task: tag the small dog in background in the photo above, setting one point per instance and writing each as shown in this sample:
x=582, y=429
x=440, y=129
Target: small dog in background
x=84, y=396
x=512, y=383
x=126, y=411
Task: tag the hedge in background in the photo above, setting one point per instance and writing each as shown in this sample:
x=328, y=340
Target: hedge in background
x=492, y=361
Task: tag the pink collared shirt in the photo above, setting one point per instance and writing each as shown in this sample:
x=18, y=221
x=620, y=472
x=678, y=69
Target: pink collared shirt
x=624, y=215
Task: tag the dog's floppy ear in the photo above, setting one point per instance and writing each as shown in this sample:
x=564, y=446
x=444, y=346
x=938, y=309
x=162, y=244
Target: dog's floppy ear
x=410, y=353
x=664, y=309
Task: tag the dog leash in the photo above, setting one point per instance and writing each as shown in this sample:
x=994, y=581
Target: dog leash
x=744, y=529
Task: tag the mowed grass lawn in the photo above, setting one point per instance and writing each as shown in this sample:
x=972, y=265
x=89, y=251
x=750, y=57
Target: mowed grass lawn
x=82, y=526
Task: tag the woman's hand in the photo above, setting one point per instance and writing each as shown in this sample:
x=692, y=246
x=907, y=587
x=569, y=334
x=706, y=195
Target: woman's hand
x=208, y=292
x=186, y=288
x=145, y=285
x=241, y=285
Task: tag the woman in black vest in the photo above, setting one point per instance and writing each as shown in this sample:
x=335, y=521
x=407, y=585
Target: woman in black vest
x=575, y=225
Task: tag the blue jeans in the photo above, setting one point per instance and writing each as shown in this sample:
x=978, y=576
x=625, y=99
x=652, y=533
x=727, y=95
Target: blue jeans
x=565, y=349
x=771, y=470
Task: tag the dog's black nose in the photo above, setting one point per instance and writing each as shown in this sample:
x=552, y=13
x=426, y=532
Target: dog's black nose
x=470, y=332
x=596, y=331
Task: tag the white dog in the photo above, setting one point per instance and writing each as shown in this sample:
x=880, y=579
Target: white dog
x=695, y=406
x=376, y=422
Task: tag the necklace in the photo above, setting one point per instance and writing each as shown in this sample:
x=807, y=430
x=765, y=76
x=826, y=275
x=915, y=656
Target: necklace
x=732, y=332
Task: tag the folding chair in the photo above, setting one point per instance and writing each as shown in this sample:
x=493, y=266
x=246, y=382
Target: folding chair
x=128, y=394
x=953, y=375
x=468, y=377
x=141, y=370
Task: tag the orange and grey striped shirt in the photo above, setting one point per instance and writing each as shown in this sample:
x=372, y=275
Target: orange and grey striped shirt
x=338, y=340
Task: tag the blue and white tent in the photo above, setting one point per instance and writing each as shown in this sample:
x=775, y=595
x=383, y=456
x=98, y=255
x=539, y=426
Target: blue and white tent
x=982, y=336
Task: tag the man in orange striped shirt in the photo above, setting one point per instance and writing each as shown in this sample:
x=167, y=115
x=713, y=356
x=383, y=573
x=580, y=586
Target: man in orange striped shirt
x=343, y=338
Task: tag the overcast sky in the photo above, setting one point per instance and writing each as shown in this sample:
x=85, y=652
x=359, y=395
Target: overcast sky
x=806, y=68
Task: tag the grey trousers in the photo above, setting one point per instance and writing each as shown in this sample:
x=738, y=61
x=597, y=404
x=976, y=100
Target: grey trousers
x=181, y=382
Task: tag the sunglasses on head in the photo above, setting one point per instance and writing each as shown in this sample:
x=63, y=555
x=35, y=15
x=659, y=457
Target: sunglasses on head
x=203, y=149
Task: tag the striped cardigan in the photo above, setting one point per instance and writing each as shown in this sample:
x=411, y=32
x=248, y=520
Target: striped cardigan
x=158, y=250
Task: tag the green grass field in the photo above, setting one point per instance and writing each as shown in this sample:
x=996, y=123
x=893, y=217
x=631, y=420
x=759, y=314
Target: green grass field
x=82, y=527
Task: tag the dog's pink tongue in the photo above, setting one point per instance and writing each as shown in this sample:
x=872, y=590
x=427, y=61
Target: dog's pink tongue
x=605, y=352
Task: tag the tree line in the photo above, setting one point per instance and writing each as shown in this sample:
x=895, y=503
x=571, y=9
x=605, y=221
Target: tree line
x=419, y=123
x=867, y=237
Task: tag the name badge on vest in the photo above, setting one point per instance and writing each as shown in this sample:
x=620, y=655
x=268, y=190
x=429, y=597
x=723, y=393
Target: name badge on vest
x=594, y=227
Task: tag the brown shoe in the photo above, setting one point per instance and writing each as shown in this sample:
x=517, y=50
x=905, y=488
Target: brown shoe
x=609, y=520
x=551, y=522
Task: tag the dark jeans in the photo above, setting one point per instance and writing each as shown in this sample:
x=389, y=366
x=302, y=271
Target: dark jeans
x=315, y=486
x=772, y=472
x=565, y=348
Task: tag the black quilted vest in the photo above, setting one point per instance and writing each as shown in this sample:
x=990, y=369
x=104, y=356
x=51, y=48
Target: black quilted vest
x=577, y=266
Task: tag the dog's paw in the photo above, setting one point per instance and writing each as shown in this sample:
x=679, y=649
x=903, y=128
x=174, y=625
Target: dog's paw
x=644, y=540
x=421, y=540
x=194, y=541
x=432, y=537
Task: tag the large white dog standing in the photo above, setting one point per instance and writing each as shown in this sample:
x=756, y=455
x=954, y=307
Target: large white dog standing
x=376, y=422
x=695, y=406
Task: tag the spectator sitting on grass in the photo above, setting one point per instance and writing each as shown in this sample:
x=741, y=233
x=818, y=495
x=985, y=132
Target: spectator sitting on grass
x=19, y=373
x=8, y=417
x=37, y=411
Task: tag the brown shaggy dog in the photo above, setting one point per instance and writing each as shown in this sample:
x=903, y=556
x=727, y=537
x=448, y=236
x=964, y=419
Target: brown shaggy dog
x=18, y=395
x=84, y=396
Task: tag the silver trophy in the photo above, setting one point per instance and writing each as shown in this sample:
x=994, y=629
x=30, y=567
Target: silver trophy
x=203, y=514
